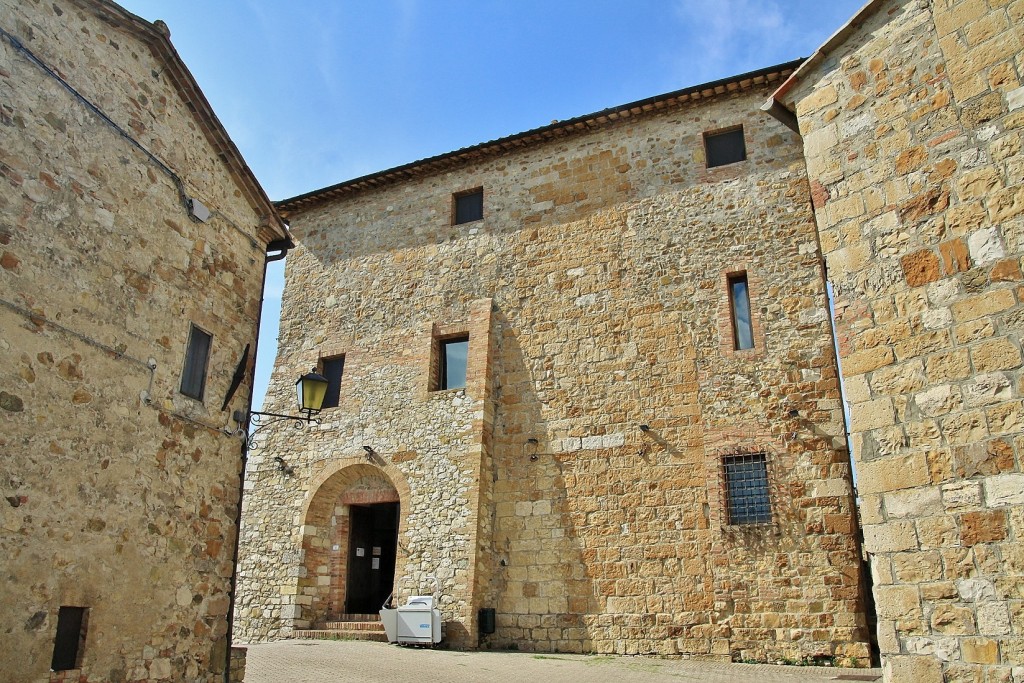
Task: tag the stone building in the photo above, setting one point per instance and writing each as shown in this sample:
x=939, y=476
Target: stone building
x=583, y=376
x=911, y=117
x=133, y=240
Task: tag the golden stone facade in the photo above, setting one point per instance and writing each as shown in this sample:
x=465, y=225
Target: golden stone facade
x=577, y=483
x=120, y=494
x=911, y=119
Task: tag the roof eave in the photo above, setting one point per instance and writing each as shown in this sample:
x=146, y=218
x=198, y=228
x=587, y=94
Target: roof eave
x=775, y=106
x=597, y=119
x=157, y=37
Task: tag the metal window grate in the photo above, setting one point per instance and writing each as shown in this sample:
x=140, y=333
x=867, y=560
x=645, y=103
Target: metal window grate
x=746, y=487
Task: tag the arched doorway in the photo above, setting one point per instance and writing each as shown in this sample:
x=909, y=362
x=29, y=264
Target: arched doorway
x=350, y=543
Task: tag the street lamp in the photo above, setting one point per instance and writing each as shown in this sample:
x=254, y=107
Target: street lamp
x=310, y=390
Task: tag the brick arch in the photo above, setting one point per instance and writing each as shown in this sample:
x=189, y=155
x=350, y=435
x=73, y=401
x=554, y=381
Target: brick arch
x=338, y=486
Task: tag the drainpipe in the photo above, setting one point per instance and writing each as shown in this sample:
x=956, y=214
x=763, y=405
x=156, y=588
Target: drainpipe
x=275, y=251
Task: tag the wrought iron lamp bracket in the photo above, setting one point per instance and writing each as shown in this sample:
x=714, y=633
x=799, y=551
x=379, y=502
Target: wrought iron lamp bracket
x=259, y=421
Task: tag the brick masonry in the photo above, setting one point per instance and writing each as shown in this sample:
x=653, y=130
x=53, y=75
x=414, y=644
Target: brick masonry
x=912, y=134
x=594, y=295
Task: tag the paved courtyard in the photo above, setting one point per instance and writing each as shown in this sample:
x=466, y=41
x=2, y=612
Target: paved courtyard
x=322, y=661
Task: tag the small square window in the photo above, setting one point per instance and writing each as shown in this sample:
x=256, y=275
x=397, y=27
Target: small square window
x=453, y=356
x=739, y=305
x=70, y=638
x=746, y=488
x=332, y=369
x=724, y=148
x=197, y=357
x=469, y=206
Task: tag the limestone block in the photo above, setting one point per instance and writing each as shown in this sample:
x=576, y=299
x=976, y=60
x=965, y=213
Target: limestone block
x=939, y=400
x=943, y=649
x=993, y=619
x=974, y=307
x=890, y=537
x=897, y=602
x=982, y=527
x=987, y=389
x=966, y=427
x=917, y=502
x=986, y=246
x=980, y=650
x=866, y=360
x=952, y=619
x=961, y=495
x=975, y=590
x=872, y=414
x=1004, y=489
x=915, y=567
x=892, y=474
x=920, y=669
x=996, y=354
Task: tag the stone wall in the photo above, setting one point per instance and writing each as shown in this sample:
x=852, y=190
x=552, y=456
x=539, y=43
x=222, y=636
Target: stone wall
x=595, y=291
x=119, y=493
x=912, y=134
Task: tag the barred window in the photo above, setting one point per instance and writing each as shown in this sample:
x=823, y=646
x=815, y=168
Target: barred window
x=746, y=488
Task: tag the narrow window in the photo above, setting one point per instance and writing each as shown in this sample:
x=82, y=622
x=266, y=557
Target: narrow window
x=724, y=148
x=739, y=304
x=469, y=206
x=332, y=369
x=453, y=357
x=197, y=356
x=746, y=483
x=70, y=639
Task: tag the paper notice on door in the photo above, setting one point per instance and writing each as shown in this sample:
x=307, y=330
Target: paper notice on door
x=360, y=552
x=376, y=551
x=376, y=563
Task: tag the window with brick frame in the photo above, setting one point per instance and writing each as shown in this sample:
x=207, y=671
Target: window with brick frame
x=468, y=206
x=739, y=310
x=451, y=360
x=725, y=147
x=197, y=358
x=332, y=368
x=747, y=493
x=69, y=640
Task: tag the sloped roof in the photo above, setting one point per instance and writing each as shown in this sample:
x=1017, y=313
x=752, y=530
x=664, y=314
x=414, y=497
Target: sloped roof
x=158, y=38
x=538, y=136
x=833, y=41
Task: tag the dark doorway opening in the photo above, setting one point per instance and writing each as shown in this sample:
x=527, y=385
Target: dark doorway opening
x=373, y=541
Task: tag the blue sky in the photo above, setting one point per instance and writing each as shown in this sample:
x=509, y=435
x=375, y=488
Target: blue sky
x=316, y=92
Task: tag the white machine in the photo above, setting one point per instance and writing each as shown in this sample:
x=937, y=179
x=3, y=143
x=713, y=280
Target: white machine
x=419, y=621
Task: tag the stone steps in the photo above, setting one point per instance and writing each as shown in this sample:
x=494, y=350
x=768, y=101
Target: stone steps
x=346, y=627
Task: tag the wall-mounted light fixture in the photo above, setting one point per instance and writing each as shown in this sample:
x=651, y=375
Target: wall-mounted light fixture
x=645, y=428
x=533, y=442
x=310, y=391
x=282, y=466
x=369, y=452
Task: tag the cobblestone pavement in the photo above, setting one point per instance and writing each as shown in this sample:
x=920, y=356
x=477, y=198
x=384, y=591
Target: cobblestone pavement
x=322, y=661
